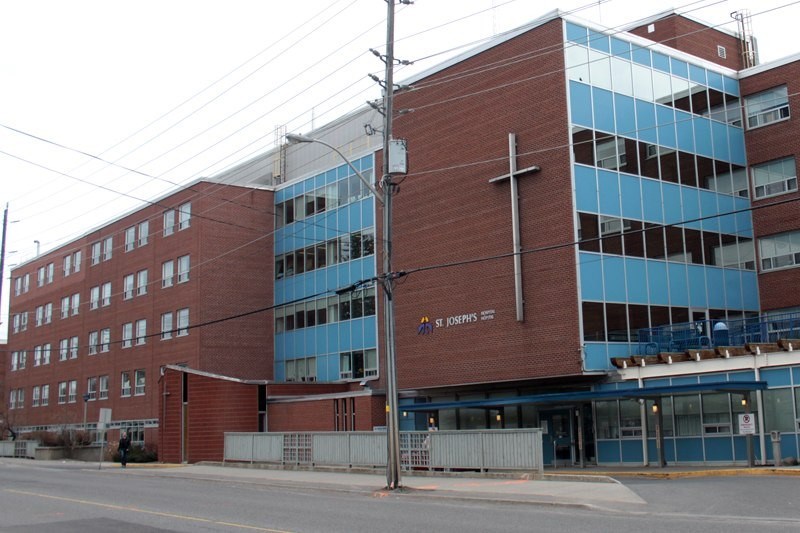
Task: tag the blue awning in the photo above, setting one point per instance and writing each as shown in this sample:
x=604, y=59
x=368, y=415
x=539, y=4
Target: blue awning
x=579, y=397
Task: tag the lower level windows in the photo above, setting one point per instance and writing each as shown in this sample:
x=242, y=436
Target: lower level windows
x=358, y=364
x=780, y=251
x=301, y=369
x=327, y=310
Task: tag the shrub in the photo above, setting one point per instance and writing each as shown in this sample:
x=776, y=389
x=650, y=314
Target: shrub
x=138, y=454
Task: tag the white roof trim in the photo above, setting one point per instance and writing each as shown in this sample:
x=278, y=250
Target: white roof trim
x=673, y=11
x=764, y=67
x=188, y=370
x=318, y=397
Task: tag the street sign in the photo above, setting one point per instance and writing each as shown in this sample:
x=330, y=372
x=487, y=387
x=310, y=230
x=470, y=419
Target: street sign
x=747, y=424
x=105, y=416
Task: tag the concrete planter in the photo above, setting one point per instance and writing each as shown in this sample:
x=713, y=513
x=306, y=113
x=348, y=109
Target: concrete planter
x=81, y=453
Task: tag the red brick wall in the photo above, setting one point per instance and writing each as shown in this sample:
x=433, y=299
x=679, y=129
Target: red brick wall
x=448, y=212
x=320, y=415
x=775, y=141
x=694, y=38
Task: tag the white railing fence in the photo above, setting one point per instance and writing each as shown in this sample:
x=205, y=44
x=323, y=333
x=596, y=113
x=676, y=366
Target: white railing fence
x=18, y=448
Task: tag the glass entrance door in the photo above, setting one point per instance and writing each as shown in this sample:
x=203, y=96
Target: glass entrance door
x=557, y=437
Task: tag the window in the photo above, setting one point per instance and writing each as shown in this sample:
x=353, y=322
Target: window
x=125, y=386
x=23, y=323
x=26, y=283
x=39, y=315
x=50, y=269
x=17, y=286
x=141, y=331
x=780, y=251
x=139, y=382
x=105, y=339
x=169, y=222
x=358, y=364
x=23, y=359
x=62, y=392
x=16, y=323
x=141, y=282
x=63, y=349
x=106, y=294
x=103, y=395
x=76, y=261
x=130, y=239
x=37, y=355
x=48, y=312
x=76, y=303
x=144, y=232
x=611, y=153
x=767, y=107
x=127, y=335
x=40, y=276
x=166, y=325
x=94, y=337
x=45, y=395
x=94, y=297
x=108, y=248
x=775, y=177
x=35, y=396
x=183, y=322
x=65, y=307
x=14, y=361
x=91, y=388
x=167, y=271
x=184, y=216
x=73, y=391
x=12, y=399
x=183, y=269
x=20, y=398
x=96, y=252
x=67, y=265
x=73, y=347
x=127, y=287
x=46, y=353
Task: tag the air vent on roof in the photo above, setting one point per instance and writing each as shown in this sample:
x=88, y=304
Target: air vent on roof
x=721, y=52
x=651, y=28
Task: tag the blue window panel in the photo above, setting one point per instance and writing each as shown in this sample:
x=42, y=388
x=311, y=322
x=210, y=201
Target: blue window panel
x=343, y=220
x=661, y=62
x=308, y=185
x=280, y=375
x=725, y=204
x=319, y=181
x=625, y=112
x=620, y=48
x=796, y=375
x=679, y=68
x=697, y=286
x=627, y=385
x=357, y=333
x=621, y=349
x=332, y=277
x=744, y=218
x=715, y=81
x=608, y=452
x=280, y=348
x=733, y=288
x=691, y=207
x=280, y=195
x=370, y=332
x=788, y=446
x=631, y=195
x=354, y=216
x=598, y=41
x=608, y=185
x=657, y=282
x=345, y=342
x=716, y=287
x=740, y=449
x=329, y=225
x=641, y=55
x=719, y=449
x=697, y=74
x=614, y=274
x=731, y=85
x=669, y=449
x=343, y=278
x=332, y=366
x=330, y=176
x=750, y=291
x=595, y=356
x=665, y=118
x=585, y=188
x=320, y=281
x=777, y=377
x=343, y=171
x=636, y=278
x=320, y=340
x=603, y=110
x=605, y=386
x=367, y=212
x=689, y=380
x=713, y=377
x=279, y=298
x=678, y=284
x=736, y=138
x=646, y=121
x=651, y=200
x=580, y=104
x=708, y=207
x=672, y=202
x=745, y=375
x=576, y=34
x=683, y=124
x=591, y=274
x=632, y=451
x=656, y=383
x=719, y=136
x=702, y=137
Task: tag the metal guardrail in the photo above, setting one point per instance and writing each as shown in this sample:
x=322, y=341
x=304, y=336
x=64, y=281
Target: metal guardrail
x=419, y=450
x=18, y=448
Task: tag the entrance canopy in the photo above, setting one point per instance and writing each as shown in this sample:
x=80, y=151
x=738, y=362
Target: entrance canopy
x=589, y=396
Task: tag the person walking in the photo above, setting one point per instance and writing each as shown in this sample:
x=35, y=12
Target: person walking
x=124, y=447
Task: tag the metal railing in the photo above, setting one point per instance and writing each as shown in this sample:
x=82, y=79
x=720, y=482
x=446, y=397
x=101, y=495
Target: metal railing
x=18, y=448
x=513, y=449
x=707, y=334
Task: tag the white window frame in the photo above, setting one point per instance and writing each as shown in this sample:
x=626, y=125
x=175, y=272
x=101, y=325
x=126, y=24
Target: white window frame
x=141, y=282
x=62, y=392
x=76, y=303
x=67, y=265
x=167, y=273
x=37, y=355
x=130, y=239
x=125, y=384
x=105, y=295
x=108, y=248
x=169, y=222
x=767, y=107
x=184, y=216
x=127, y=334
x=48, y=312
x=141, y=331
x=144, y=232
x=94, y=297
x=97, y=252
x=46, y=349
x=72, y=391
x=103, y=387
x=50, y=269
x=105, y=339
x=91, y=388
x=35, y=396
x=166, y=325
x=73, y=347
x=182, y=322
x=127, y=287
x=94, y=339
x=40, y=273
x=65, y=307
x=139, y=382
x=184, y=266
x=63, y=349
x=779, y=251
x=767, y=183
x=45, y=398
x=39, y=315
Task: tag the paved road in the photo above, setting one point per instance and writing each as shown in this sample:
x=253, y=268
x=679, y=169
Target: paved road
x=66, y=497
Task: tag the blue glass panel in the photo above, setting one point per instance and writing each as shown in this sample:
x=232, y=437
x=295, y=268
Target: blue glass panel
x=660, y=62
x=733, y=288
x=367, y=212
x=603, y=110
x=631, y=196
x=280, y=195
x=608, y=185
x=690, y=380
x=665, y=118
x=691, y=207
x=750, y=291
x=614, y=278
x=599, y=41
x=328, y=221
x=370, y=332
x=657, y=383
x=715, y=81
x=678, y=284
x=702, y=137
x=777, y=377
x=308, y=184
x=719, y=449
x=679, y=68
x=625, y=112
x=697, y=74
x=796, y=375
x=636, y=277
x=343, y=171
x=605, y=386
x=319, y=181
x=332, y=364
x=621, y=349
x=672, y=202
x=620, y=48
x=580, y=104
x=591, y=272
x=608, y=452
x=595, y=356
x=657, y=282
x=576, y=34
x=736, y=138
x=345, y=342
x=744, y=222
x=585, y=188
x=357, y=333
x=731, y=85
x=697, y=286
x=320, y=340
x=746, y=375
x=725, y=204
x=646, y=121
x=632, y=451
x=716, y=287
x=627, y=385
x=683, y=124
x=713, y=377
x=719, y=135
x=651, y=200
x=641, y=55
x=708, y=207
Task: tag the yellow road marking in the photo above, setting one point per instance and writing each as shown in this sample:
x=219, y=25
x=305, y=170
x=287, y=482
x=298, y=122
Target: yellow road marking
x=145, y=511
